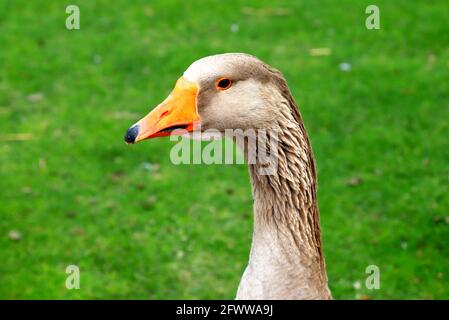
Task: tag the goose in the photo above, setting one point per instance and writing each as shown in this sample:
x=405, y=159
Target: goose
x=239, y=91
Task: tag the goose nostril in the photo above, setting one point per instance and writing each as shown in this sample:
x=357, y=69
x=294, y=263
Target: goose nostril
x=163, y=114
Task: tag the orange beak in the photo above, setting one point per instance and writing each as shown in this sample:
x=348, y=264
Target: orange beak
x=176, y=112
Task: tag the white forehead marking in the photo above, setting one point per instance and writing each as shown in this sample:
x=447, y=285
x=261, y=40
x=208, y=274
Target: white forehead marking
x=217, y=65
x=200, y=68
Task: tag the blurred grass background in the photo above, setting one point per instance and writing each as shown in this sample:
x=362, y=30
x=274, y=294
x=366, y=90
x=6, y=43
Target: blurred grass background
x=71, y=192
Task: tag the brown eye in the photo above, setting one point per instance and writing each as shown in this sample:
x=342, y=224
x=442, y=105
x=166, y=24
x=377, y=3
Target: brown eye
x=223, y=84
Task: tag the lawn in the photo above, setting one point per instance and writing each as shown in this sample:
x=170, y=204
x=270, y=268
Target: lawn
x=376, y=106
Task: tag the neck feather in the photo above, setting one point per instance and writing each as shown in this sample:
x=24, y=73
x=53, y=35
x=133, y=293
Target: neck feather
x=286, y=260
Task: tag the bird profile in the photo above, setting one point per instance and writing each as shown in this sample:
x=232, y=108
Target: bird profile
x=236, y=91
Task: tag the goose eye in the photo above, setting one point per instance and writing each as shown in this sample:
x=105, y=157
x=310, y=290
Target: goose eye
x=223, y=84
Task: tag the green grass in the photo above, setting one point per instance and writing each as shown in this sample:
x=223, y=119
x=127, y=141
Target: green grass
x=78, y=195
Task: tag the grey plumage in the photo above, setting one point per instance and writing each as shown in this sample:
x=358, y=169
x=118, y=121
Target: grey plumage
x=286, y=260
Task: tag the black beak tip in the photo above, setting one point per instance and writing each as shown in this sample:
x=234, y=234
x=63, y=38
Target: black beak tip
x=131, y=134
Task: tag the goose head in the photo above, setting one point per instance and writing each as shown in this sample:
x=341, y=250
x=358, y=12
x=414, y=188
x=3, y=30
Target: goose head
x=225, y=91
